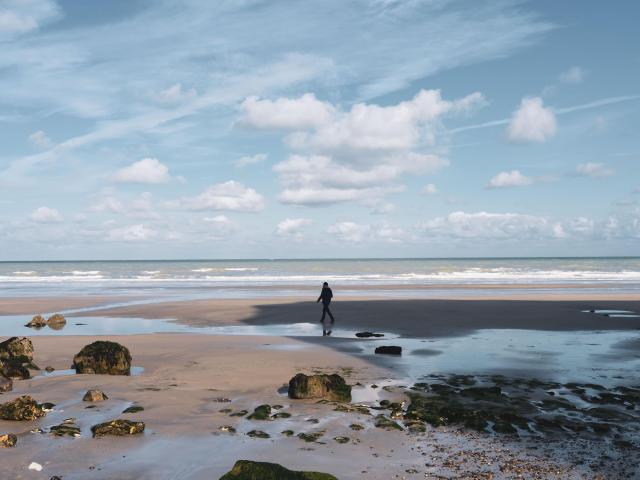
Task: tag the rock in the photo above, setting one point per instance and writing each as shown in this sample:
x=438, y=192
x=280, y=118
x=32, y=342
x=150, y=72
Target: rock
x=133, y=409
x=56, y=321
x=94, y=396
x=310, y=437
x=103, y=357
x=14, y=369
x=369, y=335
x=281, y=415
x=118, y=428
x=356, y=427
x=249, y=470
x=258, y=434
x=37, y=322
x=6, y=384
x=49, y=369
x=261, y=412
x=8, y=440
x=227, y=429
x=17, y=349
x=22, y=408
x=386, y=424
x=327, y=387
x=65, y=430
x=389, y=350
x=287, y=433
x=341, y=439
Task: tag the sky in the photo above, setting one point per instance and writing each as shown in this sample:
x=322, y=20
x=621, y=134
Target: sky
x=140, y=129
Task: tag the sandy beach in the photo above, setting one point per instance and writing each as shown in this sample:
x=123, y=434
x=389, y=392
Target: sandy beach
x=184, y=380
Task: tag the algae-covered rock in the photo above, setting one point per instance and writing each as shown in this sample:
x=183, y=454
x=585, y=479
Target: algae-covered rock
x=249, y=470
x=327, y=387
x=22, y=408
x=8, y=440
x=118, y=428
x=17, y=349
x=310, y=437
x=386, y=424
x=6, y=384
x=258, y=434
x=14, y=369
x=133, y=409
x=94, y=396
x=103, y=357
x=65, y=429
x=388, y=350
x=38, y=321
x=56, y=321
x=341, y=439
x=261, y=412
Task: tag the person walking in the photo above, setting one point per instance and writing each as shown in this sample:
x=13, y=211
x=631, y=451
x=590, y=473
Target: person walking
x=326, y=295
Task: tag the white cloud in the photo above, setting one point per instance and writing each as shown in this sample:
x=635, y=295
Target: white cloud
x=107, y=204
x=23, y=16
x=229, y=195
x=593, y=170
x=175, y=94
x=485, y=225
x=532, y=122
x=250, y=160
x=572, y=75
x=509, y=179
x=292, y=228
x=284, y=113
x=40, y=139
x=46, y=215
x=430, y=189
x=147, y=170
x=132, y=233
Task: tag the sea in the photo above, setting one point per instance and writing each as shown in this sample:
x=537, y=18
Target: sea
x=267, y=277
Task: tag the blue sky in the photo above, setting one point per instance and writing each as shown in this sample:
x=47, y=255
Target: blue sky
x=263, y=129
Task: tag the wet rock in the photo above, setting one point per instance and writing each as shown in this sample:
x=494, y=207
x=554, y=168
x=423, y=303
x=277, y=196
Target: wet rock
x=369, y=335
x=94, y=396
x=261, y=412
x=310, y=437
x=351, y=408
x=356, y=427
x=119, y=427
x=133, y=409
x=280, y=415
x=327, y=387
x=415, y=426
x=288, y=433
x=258, y=434
x=22, y=408
x=8, y=440
x=6, y=384
x=14, y=369
x=16, y=349
x=386, y=424
x=227, y=429
x=388, y=350
x=239, y=413
x=37, y=322
x=56, y=321
x=341, y=439
x=65, y=429
x=103, y=357
x=49, y=369
x=249, y=470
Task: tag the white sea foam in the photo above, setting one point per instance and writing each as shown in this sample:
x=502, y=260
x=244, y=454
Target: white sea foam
x=241, y=269
x=203, y=270
x=27, y=272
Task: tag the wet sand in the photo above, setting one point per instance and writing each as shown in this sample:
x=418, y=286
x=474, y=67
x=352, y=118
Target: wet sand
x=185, y=376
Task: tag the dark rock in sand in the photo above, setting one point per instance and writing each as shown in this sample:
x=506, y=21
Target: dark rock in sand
x=258, y=434
x=310, y=437
x=327, y=387
x=118, y=428
x=8, y=440
x=288, y=433
x=341, y=439
x=388, y=350
x=356, y=426
x=37, y=322
x=49, y=369
x=261, y=412
x=14, y=369
x=369, y=335
x=94, y=396
x=56, y=321
x=103, y=357
x=133, y=409
x=249, y=470
x=17, y=349
x=6, y=384
x=280, y=415
x=65, y=429
x=386, y=424
x=22, y=408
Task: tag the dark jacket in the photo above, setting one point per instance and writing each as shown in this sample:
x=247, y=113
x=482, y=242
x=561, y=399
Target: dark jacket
x=325, y=295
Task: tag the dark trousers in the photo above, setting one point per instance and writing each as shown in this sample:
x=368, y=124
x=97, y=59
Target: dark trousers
x=325, y=310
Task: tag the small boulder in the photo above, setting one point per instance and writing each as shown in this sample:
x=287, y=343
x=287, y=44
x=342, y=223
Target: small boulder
x=261, y=412
x=103, y=357
x=369, y=335
x=94, y=396
x=14, y=369
x=118, y=428
x=17, y=349
x=8, y=440
x=22, y=408
x=49, y=369
x=388, y=350
x=249, y=470
x=6, y=384
x=327, y=387
x=56, y=321
x=38, y=321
